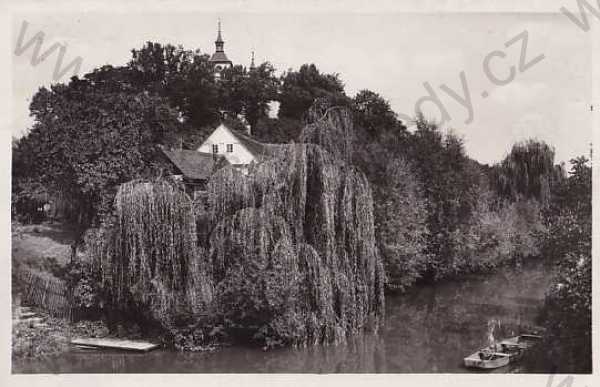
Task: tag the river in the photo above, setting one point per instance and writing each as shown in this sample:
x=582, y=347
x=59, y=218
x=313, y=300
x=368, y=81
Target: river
x=430, y=329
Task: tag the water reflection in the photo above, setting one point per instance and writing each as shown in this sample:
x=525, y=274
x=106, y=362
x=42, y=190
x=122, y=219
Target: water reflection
x=430, y=329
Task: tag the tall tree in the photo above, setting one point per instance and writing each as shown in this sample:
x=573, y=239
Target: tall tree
x=450, y=181
x=526, y=171
x=186, y=78
x=248, y=92
x=261, y=87
x=567, y=313
x=85, y=141
x=570, y=216
x=401, y=224
x=299, y=89
x=374, y=116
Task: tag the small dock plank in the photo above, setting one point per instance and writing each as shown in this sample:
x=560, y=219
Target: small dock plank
x=110, y=343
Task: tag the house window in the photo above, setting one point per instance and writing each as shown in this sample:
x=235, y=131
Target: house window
x=215, y=148
x=230, y=148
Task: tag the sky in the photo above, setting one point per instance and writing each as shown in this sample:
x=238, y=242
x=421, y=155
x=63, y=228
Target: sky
x=393, y=54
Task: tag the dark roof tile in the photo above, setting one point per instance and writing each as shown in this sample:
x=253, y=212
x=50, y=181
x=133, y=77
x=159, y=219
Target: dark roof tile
x=255, y=147
x=194, y=165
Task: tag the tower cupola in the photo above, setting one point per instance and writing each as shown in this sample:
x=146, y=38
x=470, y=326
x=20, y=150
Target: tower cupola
x=219, y=60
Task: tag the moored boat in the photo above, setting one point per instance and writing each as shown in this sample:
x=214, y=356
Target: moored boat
x=502, y=353
x=487, y=359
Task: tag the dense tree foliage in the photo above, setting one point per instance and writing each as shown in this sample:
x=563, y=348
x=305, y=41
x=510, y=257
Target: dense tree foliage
x=527, y=172
x=436, y=213
x=376, y=119
x=186, y=78
x=450, y=180
x=401, y=220
x=101, y=130
x=277, y=130
x=86, y=140
x=573, y=192
x=246, y=94
x=299, y=90
x=567, y=314
x=296, y=92
x=380, y=151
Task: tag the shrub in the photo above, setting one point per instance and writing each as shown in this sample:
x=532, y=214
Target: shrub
x=497, y=236
x=567, y=316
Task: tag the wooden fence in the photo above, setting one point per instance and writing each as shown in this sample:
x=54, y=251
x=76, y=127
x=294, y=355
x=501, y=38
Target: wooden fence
x=49, y=294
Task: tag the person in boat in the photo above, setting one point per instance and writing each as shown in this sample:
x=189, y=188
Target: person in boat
x=485, y=354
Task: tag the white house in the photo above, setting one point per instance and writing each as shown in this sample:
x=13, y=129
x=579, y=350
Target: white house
x=238, y=148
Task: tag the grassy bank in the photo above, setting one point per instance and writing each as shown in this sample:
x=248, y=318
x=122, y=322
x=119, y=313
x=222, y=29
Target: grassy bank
x=45, y=250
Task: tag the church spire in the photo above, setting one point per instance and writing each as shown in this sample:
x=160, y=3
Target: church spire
x=252, y=66
x=219, y=43
x=219, y=60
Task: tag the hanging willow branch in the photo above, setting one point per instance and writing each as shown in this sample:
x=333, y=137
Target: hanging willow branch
x=150, y=255
x=291, y=257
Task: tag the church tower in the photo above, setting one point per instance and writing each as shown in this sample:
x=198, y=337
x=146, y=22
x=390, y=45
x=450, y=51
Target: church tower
x=219, y=60
x=252, y=66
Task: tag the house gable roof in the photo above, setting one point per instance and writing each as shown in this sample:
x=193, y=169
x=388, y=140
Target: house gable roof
x=258, y=149
x=194, y=165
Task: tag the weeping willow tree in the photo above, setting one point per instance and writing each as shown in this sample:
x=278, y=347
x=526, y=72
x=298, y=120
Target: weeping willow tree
x=526, y=171
x=302, y=252
x=290, y=258
x=308, y=241
x=331, y=128
x=148, y=257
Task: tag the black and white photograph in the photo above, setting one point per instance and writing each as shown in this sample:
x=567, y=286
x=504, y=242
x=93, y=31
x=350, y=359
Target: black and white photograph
x=255, y=190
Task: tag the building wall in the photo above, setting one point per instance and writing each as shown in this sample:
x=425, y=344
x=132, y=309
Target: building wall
x=221, y=137
x=274, y=109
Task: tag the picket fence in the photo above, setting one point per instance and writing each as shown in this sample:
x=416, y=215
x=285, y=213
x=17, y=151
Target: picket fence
x=49, y=294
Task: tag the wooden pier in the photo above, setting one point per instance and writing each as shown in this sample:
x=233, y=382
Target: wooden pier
x=110, y=343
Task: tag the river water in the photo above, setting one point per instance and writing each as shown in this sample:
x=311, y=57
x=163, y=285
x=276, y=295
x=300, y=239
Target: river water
x=430, y=329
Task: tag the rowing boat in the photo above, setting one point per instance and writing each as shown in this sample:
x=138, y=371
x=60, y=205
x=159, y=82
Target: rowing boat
x=502, y=353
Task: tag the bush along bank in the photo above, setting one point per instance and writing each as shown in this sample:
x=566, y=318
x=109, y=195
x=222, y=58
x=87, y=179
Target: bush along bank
x=440, y=215
x=567, y=311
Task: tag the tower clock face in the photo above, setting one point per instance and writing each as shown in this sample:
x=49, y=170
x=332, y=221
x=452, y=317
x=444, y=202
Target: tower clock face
x=219, y=68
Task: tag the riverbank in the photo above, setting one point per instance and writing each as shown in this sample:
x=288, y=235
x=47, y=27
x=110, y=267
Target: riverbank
x=429, y=329
x=45, y=250
x=453, y=299
x=36, y=334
